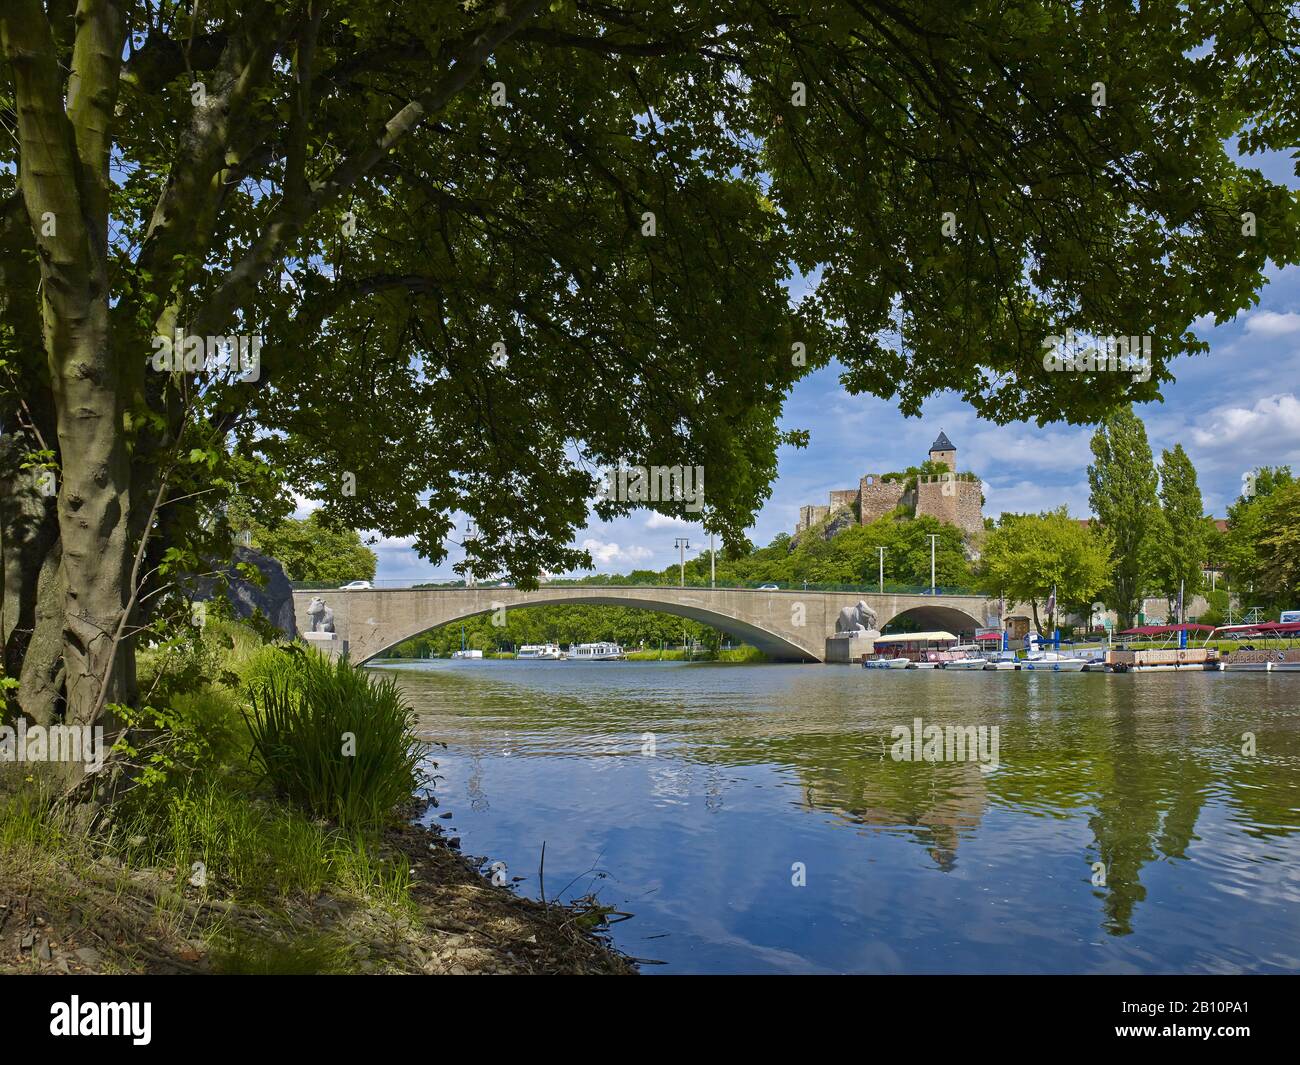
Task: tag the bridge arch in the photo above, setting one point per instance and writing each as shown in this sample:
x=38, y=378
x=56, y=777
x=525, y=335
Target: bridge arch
x=930, y=618
x=780, y=646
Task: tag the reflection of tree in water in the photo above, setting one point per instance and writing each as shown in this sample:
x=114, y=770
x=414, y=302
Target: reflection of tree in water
x=1149, y=797
x=934, y=800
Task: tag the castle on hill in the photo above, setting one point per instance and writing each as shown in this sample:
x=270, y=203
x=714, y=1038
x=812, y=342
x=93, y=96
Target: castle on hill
x=951, y=497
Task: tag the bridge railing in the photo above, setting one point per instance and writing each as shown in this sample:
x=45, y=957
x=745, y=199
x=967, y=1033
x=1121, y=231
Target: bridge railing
x=454, y=583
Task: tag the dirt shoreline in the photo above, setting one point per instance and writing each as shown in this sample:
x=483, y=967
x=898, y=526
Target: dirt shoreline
x=97, y=916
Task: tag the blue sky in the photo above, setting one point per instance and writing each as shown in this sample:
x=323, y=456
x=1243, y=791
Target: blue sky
x=1232, y=410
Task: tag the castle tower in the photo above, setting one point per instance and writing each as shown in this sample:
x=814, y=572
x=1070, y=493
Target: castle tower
x=943, y=451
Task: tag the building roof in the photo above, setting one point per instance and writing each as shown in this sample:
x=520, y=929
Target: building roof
x=942, y=443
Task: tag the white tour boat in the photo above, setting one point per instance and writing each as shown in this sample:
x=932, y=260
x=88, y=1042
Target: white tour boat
x=596, y=652
x=540, y=652
x=910, y=650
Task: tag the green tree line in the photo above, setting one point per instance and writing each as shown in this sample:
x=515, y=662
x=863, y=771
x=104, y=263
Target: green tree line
x=578, y=623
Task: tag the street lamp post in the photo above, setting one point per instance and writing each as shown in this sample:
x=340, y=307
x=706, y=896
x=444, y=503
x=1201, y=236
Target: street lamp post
x=933, y=538
x=713, y=564
x=881, y=551
x=682, y=544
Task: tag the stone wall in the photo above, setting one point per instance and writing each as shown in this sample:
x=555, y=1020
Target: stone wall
x=956, y=502
x=877, y=498
x=810, y=516
x=948, y=458
x=844, y=497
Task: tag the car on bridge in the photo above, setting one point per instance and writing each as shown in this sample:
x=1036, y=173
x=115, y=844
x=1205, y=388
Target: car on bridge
x=356, y=586
x=769, y=587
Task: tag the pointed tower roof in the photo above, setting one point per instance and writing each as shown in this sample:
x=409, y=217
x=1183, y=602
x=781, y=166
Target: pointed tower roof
x=942, y=443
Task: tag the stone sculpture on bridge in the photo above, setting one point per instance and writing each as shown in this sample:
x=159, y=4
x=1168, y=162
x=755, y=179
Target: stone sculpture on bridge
x=322, y=617
x=857, y=620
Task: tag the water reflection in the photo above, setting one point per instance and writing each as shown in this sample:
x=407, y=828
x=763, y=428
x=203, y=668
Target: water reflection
x=1123, y=829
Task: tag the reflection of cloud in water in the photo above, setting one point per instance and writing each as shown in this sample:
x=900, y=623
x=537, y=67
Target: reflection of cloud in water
x=671, y=780
x=478, y=800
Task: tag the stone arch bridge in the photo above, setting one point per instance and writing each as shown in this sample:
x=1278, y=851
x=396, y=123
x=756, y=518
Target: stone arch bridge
x=786, y=625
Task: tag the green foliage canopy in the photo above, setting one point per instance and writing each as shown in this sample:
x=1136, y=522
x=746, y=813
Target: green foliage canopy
x=1026, y=555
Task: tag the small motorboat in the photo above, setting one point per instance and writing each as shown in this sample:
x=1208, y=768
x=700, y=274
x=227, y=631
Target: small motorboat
x=886, y=663
x=1004, y=660
x=972, y=663
x=1054, y=662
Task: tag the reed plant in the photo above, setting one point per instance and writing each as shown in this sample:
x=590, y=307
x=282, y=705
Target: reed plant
x=335, y=740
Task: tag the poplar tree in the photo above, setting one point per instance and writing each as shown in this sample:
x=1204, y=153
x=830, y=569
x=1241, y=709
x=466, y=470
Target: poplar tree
x=1179, y=537
x=1122, y=483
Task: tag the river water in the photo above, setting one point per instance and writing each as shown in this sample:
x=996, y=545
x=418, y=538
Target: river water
x=756, y=819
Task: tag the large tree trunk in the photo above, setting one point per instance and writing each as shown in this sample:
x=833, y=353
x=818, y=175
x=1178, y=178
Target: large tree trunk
x=64, y=134
x=94, y=502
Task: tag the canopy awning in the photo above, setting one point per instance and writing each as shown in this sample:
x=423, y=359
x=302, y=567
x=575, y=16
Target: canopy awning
x=1263, y=628
x=1165, y=630
x=917, y=637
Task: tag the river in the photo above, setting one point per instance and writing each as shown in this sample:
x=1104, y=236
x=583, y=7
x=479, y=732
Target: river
x=755, y=819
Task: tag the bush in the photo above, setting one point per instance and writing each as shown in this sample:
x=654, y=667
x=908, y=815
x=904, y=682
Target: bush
x=335, y=740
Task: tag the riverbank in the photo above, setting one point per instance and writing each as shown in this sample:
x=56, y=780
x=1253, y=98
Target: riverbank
x=213, y=860
x=71, y=905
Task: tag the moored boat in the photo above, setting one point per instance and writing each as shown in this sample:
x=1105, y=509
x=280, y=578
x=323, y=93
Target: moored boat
x=540, y=652
x=971, y=663
x=886, y=663
x=1005, y=660
x=596, y=652
x=1054, y=662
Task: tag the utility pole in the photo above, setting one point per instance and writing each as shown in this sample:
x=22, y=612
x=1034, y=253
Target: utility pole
x=682, y=544
x=881, y=551
x=933, y=538
x=713, y=564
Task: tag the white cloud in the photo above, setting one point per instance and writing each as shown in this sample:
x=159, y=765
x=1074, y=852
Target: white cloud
x=606, y=553
x=1272, y=425
x=1032, y=497
x=1272, y=324
x=665, y=521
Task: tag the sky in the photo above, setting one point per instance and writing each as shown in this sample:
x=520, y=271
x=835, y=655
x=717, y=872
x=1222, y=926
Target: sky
x=1234, y=409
